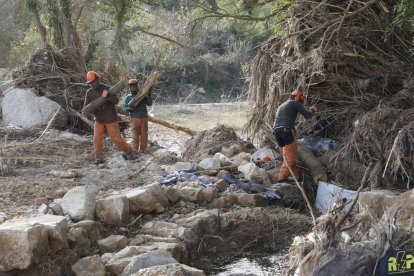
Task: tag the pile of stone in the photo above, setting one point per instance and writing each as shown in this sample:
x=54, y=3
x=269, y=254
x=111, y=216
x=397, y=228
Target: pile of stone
x=207, y=205
x=73, y=221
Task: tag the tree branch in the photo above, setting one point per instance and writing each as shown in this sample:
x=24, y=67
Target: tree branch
x=185, y=47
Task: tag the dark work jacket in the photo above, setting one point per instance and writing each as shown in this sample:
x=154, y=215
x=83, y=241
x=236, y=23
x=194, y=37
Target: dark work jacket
x=288, y=111
x=107, y=112
x=140, y=111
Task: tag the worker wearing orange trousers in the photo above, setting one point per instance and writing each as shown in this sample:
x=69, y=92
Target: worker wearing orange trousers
x=114, y=133
x=105, y=118
x=139, y=117
x=285, y=133
x=139, y=128
x=289, y=153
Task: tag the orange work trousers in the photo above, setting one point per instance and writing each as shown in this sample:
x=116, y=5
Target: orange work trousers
x=114, y=133
x=139, y=129
x=289, y=153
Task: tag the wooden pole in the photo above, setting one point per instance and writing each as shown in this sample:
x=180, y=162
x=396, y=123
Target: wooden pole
x=102, y=100
x=190, y=132
x=172, y=126
x=82, y=117
x=152, y=78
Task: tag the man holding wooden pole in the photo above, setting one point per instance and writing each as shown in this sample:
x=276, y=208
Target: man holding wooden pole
x=101, y=102
x=138, y=115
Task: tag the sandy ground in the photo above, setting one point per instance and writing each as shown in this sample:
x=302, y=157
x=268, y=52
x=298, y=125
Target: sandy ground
x=26, y=162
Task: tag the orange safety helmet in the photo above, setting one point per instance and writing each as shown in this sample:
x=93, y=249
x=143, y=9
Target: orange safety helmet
x=91, y=76
x=297, y=95
x=133, y=82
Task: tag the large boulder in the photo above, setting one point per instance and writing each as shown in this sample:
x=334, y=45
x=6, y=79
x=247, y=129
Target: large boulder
x=245, y=199
x=79, y=202
x=112, y=243
x=117, y=266
x=23, y=242
x=168, y=230
x=91, y=228
x=147, y=199
x=170, y=270
x=204, y=223
x=177, y=249
x=254, y=174
x=191, y=194
x=113, y=210
x=23, y=108
x=89, y=266
x=157, y=257
x=210, y=164
x=224, y=202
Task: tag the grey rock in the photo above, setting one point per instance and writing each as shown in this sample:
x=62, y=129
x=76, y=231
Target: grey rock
x=112, y=243
x=170, y=270
x=113, y=210
x=23, y=108
x=79, y=202
x=157, y=257
x=89, y=266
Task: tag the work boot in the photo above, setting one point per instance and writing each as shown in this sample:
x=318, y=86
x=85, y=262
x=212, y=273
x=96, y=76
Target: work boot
x=98, y=162
x=131, y=156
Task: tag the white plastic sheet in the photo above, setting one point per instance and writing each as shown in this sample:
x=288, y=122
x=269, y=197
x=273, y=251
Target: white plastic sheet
x=328, y=194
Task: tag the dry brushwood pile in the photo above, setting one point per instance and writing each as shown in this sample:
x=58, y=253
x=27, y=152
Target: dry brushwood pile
x=55, y=74
x=361, y=246
x=348, y=60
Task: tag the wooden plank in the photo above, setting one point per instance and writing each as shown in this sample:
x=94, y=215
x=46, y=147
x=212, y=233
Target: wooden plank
x=151, y=80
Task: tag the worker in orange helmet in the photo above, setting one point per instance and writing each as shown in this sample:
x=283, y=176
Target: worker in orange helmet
x=139, y=117
x=285, y=133
x=105, y=118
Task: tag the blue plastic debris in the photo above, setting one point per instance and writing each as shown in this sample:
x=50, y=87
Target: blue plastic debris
x=320, y=144
x=252, y=187
x=187, y=175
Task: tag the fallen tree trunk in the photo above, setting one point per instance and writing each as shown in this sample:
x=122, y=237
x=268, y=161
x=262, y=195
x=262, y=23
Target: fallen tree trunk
x=152, y=78
x=317, y=170
x=172, y=126
x=190, y=132
x=82, y=117
x=102, y=100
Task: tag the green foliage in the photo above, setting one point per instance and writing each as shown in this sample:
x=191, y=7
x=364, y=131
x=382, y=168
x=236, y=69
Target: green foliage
x=31, y=4
x=405, y=12
x=21, y=51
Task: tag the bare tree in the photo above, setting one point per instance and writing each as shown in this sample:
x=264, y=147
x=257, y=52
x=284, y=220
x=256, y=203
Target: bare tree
x=33, y=7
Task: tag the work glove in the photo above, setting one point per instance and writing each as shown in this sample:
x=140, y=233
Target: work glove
x=106, y=94
x=314, y=108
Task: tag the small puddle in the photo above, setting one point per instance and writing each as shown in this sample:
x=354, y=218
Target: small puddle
x=274, y=265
